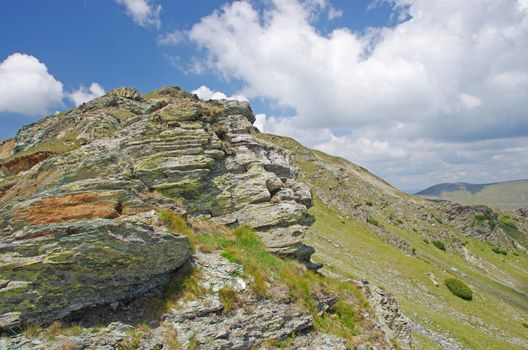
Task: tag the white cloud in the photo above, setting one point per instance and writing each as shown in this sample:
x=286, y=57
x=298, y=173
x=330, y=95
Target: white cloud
x=260, y=121
x=143, y=12
x=451, y=76
x=27, y=87
x=470, y=102
x=205, y=93
x=171, y=38
x=84, y=94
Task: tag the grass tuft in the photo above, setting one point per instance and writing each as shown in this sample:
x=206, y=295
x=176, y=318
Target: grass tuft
x=228, y=298
x=176, y=224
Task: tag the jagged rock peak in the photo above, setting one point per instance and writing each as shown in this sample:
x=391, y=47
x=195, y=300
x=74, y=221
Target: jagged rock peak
x=80, y=192
x=126, y=92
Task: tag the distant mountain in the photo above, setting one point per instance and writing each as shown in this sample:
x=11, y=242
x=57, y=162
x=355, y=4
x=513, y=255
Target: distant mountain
x=506, y=195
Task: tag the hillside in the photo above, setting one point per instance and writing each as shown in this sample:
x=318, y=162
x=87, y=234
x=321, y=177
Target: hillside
x=162, y=221
x=505, y=195
x=366, y=229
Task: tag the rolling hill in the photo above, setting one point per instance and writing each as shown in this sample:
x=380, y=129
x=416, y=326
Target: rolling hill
x=505, y=195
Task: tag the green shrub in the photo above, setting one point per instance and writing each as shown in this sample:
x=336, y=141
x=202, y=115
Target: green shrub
x=498, y=250
x=483, y=217
x=373, y=221
x=459, y=288
x=369, y=203
x=440, y=245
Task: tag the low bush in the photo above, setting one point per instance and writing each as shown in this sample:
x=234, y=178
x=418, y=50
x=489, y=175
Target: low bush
x=499, y=250
x=440, y=245
x=373, y=221
x=459, y=288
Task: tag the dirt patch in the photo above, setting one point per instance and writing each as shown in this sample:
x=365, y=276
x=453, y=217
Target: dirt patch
x=24, y=163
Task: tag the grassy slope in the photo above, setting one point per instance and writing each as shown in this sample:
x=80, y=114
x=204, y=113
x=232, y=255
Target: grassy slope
x=353, y=249
x=506, y=195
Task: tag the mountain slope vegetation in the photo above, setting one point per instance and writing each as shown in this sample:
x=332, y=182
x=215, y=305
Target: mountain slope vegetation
x=366, y=229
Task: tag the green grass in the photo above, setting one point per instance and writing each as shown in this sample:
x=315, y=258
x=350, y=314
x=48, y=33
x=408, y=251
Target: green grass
x=508, y=225
x=500, y=283
x=177, y=225
x=134, y=337
x=406, y=277
x=64, y=144
x=244, y=247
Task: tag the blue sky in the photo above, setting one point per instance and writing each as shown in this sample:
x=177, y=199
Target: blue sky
x=417, y=91
x=95, y=40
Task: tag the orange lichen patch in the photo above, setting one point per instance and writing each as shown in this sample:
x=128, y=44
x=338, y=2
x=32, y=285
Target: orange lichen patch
x=25, y=162
x=70, y=207
x=25, y=187
x=6, y=147
x=126, y=211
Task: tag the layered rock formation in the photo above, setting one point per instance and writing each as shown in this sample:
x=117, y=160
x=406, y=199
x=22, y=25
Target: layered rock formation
x=79, y=192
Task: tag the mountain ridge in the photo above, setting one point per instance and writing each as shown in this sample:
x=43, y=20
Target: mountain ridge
x=505, y=194
x=166, y=202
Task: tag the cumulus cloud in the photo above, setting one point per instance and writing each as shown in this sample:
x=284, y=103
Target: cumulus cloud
x=448, y=76
x=143, y=12
x=27, y=87
x=205, y=93
x=84, y=94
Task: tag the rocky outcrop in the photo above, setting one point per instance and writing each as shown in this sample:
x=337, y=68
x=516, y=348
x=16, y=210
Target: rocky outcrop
x=395, y=325
x=6, y=148
x=78, y=197
x=202, y=321
x=50, y=270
